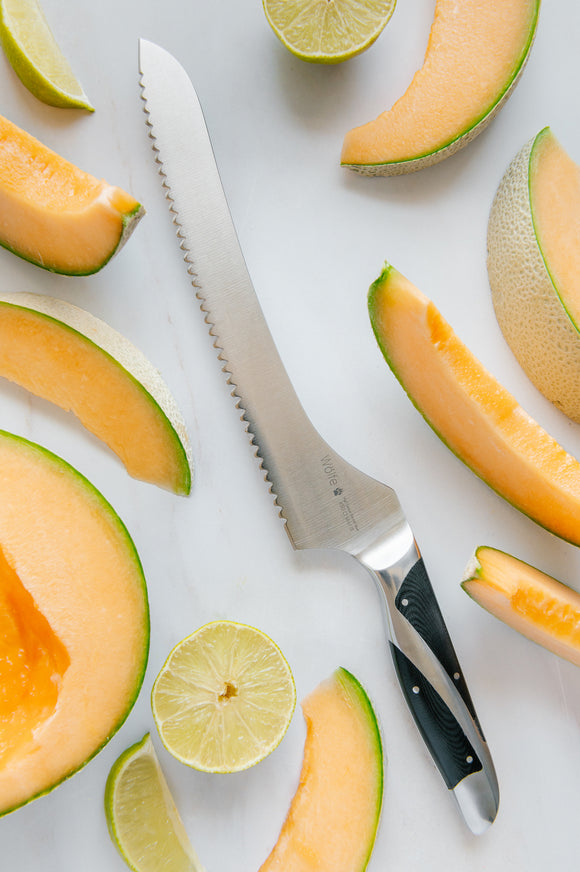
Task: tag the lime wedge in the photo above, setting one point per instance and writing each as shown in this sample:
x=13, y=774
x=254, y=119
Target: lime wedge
x=224, y=698
x=35, y=56
x=143, y=820
x=328, y=31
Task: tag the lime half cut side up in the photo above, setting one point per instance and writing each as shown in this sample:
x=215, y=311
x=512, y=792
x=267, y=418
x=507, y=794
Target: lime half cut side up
x=328, y=31
x=224, y=698
x=36, y=57
x=142, y=817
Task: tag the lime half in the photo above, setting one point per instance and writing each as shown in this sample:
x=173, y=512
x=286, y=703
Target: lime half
x=143, y=820
x=328, y=31
x=35, y=56
x=224, y=698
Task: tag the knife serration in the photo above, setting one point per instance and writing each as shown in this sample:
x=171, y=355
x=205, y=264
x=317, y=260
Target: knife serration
x=324, y=500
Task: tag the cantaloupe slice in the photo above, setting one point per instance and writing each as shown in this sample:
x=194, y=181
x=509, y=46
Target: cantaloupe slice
x=333, y=819
x=533, y=603
x=54, y=214
x=470, y=411
x=534, y=267
x=476, y=53
x=74, y=621
x=68, y=356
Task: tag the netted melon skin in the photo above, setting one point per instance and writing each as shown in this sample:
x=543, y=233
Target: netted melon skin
x=529, y=311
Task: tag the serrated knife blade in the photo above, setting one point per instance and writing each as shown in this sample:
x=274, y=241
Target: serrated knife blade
x=324, y=501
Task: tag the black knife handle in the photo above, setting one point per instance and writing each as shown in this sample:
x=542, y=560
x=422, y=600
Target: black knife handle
x=450, y=748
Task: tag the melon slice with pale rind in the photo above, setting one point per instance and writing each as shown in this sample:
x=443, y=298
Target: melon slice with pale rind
x=476, y=417
x=475, y=56
x=56, y=215
x=74, y=620
x=534, y=267
x=332, y=822
x=533, y=603
x=68, y=356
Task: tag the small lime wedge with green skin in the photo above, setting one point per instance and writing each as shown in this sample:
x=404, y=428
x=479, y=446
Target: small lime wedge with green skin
x=36, y=57
x=142, y=817
x=328, y=31
x=224, y=698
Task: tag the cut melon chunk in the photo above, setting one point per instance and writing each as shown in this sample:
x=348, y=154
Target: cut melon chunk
x=533, y=603
x=476, y=53
x=333, y=819
x=74, y=621
x=470, y=411
x=54, y=214
x=534, y=267
x=66, y=355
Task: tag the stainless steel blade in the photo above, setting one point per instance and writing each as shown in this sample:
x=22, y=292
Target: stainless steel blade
x=324, y=500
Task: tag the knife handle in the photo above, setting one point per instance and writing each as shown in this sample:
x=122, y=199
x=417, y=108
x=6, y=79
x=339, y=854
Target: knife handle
x=432, y=680
x=452, y=751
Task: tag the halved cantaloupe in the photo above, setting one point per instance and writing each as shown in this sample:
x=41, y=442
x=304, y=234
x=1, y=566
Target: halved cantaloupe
x=333, y=819
x=54, y=214
x=66, y=355
x=470, y=411
x=534, y=267
x=533, y=603
x=74, y=621
x=476, y=53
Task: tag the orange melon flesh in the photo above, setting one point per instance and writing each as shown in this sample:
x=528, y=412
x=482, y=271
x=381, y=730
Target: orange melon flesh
x=333, y=818
x=478, y=419
x=557, y=218
x=54, y=214
x=53, y=360
x=533, y=603
x=475, y=51
x=33, y=662
x=74, y=616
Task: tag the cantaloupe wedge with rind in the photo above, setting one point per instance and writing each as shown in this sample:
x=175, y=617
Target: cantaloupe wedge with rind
x=474, y=415
x=56, y=215
x=534, y=267
x=476, y=53
x=64, y=354
x=533, y=603
x=74, y=619
x=332, y=822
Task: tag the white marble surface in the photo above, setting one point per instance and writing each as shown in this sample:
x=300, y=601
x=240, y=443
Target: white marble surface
x=315, y=237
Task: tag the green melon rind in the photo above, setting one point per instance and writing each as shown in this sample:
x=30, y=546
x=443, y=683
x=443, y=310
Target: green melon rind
x=123, y=354
x=374, y=291
x=46, y=456
x=142, y=748
x=358, y=697
x=32, y=78
x=473, y=583
x=526, y=300
x=129, y=221
x=423, y=161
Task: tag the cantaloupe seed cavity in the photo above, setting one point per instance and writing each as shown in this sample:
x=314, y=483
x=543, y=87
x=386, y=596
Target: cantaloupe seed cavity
x=33, y=661
x=552, y=614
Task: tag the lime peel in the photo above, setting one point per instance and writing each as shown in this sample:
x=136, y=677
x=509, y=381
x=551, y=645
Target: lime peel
x=224, y=698
x=142, y=817
x=36, y=57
